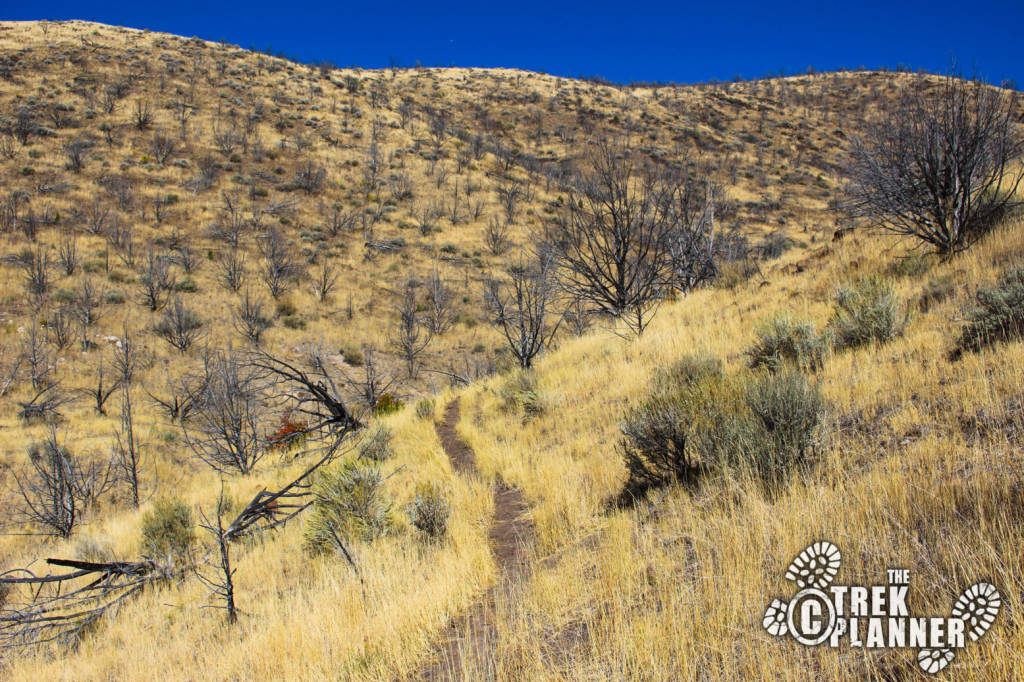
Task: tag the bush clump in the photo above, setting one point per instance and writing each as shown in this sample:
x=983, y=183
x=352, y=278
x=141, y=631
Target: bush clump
x=868, y=312
x=377, y=446
x=782, y=339
x=387, y=404
x=789, y=415
x=768, y=426
x=168, y=529
x=521, y=393
x=430, y=511
x=350, y=503
x=998, y=317
x=425, y=408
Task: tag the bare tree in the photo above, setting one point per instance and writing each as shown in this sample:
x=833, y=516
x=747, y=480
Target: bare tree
x=38, y=277
x=227, y=430
x=100, y=392
x=279, y=265
x=179, y=326
x=408, y=337
x=614, y=248
x=231, y=269
x=496, y=236
x=520, y=306
x=323, y=278
x=250, y=320
x=58, y=488
x=941, y=168
x=310, y=177
x=156, y=281
x=440, y=303
x=161, y=146
x=142, y=115
x=36, y=355
x=86, y=307
x=220, y=583
x=60, y=328
x=376, y=380
x=77, y=153
x=67, y=253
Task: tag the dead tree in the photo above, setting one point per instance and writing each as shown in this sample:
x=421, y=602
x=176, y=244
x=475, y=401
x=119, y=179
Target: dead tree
x=279, y=265
x=496, y=236
x=613, y=249
x=155, y=281
x=179, y=326
x=408, y=337
x=250, y=320
x=221, y=583
x=67, y=254
x=520, y=305
x=942, y=168
x=38, y=277
x=323, y=279
x=36, y=355
x=440, y=304
x=58, y=487
x=313, y=394
x=231, y=269
x=99, y=393
x=86, y=307
x=228, y=428
x=61, y=607
x=127, y=452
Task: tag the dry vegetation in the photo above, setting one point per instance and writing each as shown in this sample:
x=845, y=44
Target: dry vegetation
x=158, y=190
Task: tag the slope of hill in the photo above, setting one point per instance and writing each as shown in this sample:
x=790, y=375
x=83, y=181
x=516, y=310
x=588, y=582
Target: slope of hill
x=161, y=157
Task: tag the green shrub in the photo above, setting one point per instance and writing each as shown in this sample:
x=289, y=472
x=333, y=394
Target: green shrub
x=425, y=408
x=789, y=414
x=767, y=426
x=377, y=446
x=286, y=308
x=869, y=312
x=782, y=339
x=168, y=529
x=186, y=285
x=293, y=322
x=656, y=446
x=999, y=315
x=430, y=511
x=521, y=393
x=387, y=404
x=114, y=297
x=349, y=504
x=352, y=354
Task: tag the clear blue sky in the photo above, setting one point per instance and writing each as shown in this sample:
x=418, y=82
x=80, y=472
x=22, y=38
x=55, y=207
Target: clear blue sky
x=622, y=41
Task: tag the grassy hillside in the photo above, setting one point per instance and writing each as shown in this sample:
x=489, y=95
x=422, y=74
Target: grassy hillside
x=918, y=465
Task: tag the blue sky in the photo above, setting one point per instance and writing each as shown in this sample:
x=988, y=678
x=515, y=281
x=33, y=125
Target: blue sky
x=622, y=41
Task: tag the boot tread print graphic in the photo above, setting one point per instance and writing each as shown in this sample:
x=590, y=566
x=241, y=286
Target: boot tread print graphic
x=817, y=566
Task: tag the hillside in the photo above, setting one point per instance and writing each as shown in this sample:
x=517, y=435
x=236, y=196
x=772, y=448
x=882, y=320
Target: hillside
x=148, y=157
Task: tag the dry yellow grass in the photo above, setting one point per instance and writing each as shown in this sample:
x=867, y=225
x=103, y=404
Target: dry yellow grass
x=672, y=590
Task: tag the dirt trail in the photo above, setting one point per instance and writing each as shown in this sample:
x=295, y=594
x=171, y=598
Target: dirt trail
x=468, y=649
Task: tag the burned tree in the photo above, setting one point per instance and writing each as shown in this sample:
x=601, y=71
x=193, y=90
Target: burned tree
x=58, y=487
x=250, y=320
x=279, y=266
x=408, y=337
x=231, y=269
x=440, y=304
x=156, y=281
x=228, y=429
x=614, y=246
x=942, y=168
x=179, y=326
x=520, y=305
